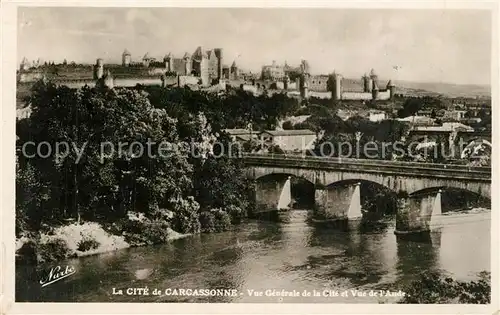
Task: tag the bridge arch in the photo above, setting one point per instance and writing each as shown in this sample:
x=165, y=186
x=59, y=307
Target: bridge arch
x=479, y=190
x=282, y=175
x=349, y=181
x=376, y=198
x=257, y=173
x=456, y=198
x=388, y=182
x=422, y=210
x=270, y=186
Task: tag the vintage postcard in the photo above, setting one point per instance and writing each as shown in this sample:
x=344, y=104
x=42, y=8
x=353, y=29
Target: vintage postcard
x=321, y=158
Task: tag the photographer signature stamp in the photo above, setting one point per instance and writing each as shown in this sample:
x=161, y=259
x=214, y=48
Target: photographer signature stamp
x=57, y=273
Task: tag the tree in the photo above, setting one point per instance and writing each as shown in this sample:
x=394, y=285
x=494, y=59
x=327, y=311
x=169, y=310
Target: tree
x=431, y=288
x=78, y=185
x=275, y=149
x=219, y=181
x=433, y=113
x=410, y=107
x=221, y=184
x=287, y=125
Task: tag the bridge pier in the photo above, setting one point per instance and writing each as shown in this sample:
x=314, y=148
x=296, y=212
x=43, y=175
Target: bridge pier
x=267, y=195
x=414, y=213
x=335, y=202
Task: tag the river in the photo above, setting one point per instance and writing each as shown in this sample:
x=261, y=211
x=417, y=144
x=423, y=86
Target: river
x=260, y=256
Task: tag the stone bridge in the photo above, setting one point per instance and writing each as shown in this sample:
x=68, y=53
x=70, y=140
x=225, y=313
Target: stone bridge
x=335, y=180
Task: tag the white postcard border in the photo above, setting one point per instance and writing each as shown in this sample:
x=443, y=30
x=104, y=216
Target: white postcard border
x=7, y=175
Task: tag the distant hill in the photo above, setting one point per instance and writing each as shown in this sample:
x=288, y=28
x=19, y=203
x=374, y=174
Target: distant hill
x=426, y=89
x=446, y=89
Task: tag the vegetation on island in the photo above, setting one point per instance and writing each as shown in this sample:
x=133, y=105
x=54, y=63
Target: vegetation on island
x=432, y=288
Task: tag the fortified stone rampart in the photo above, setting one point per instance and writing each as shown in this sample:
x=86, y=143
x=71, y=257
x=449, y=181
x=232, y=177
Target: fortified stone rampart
x=183, y=80
x=356, y=96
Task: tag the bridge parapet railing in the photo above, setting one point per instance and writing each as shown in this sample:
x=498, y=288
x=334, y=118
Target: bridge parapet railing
x=366, y=162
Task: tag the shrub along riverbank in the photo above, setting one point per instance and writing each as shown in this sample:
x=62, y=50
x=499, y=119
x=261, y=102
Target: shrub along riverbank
x=90, y=238
x=432, y=288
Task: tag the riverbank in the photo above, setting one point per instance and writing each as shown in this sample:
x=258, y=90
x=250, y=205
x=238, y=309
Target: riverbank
x=78, y=240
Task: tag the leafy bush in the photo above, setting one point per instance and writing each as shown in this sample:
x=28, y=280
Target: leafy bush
x=21, y=224
x=131, y=235
x=236, y=213
x=207, y=222
x=87, y=243
x=432, y=288
x=187, y=223
x=156, y=232
x=145, y=231
x=275, y=149
x=302, y=111
x=162, y=214
x=287, y=125
x=54, y=250
x=216, y=220
x=222, y=220
x=27, y=253
x=186, y=217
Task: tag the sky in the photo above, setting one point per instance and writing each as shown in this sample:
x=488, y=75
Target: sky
x=452, y=46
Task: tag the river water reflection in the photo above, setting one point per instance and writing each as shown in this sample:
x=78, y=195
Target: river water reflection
x=264, y=255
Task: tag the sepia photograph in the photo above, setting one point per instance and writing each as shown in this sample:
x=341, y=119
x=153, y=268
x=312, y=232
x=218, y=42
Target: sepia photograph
x=253, y=155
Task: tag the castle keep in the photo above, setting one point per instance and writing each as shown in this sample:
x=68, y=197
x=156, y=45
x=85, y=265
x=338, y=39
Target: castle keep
x=207, y=65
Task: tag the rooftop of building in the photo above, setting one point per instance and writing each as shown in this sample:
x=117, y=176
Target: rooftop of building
x=245, y=137
x=417, y=119
x=298, y=132
x=237, y=131
x=447, y=126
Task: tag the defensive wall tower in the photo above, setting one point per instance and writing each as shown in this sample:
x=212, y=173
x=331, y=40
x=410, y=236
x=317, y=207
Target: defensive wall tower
x=337, y=86
x=169, y=62
x=374, y=79
x=98, y=69
x=219, y=55
x=392, y=89
x=108, y=80
x=375, y=90
x=334, y=85
x=286, y=82
x=187, y=65
x=303, y=85
x=126, y=58
x=367, y=84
